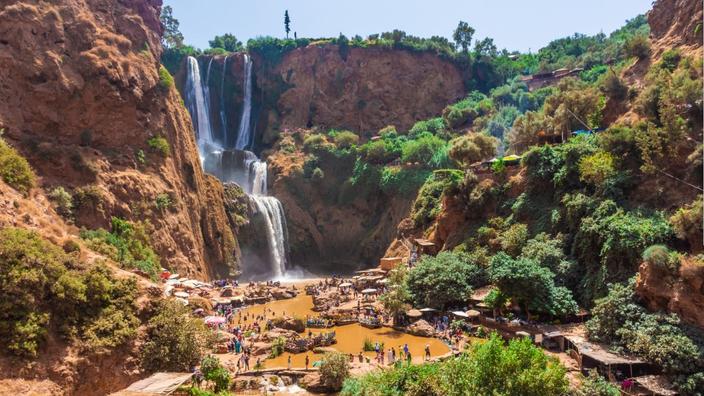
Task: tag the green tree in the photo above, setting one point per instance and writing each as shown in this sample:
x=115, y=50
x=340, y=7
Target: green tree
x=213, y=371
x=447, y=278
x=227, y=41
x=287, y=23
x=471, y=148
x=175, y=340
x=485, y=47
x=396, y=298
x=463, y=35
x=531, y=286
x=595, y=385
x=172, y=37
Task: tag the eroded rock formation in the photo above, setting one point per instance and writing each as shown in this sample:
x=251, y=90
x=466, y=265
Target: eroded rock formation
x=82, y=95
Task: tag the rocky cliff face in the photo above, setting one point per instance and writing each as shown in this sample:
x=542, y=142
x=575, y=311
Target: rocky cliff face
x=82, y=96
x=363, y=89
x=681, y=293
x=676, y=23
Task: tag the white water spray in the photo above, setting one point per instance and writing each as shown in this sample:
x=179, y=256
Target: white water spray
x=244, y=134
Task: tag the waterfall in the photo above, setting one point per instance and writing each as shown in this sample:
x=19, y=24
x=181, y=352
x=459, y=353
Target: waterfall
x=198, y=103
x=244, y=134
x=223, y=117
x=273, y=212
x=239, y=165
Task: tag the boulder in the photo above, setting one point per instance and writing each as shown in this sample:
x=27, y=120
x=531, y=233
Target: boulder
x=313, y=382
x=421, y=328
x=260, y=348
x=293, y=324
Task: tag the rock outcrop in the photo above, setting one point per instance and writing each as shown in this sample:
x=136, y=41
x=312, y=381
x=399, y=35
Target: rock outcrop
x=682, y=293
x=82, y=96
x=676, y=24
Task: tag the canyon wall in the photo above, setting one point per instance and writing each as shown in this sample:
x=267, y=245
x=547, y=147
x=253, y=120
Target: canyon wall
x=82, y=96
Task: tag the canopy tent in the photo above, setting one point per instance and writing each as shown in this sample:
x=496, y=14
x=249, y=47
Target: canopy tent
x=369, y=291
x=473, y=313
x=460, y=314
x=346, y=284
x=414, y=313
x=157, y=384
x=428, y=310
x=181, y=294
x=174, y=276
x=214, y=320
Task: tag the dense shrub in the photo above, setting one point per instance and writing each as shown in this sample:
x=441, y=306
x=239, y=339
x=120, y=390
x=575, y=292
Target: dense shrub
x=214, y=372
x=160, y=145
x=128, y=243
x=596, y=168
x=489, y=368
x=595, y=385
x=42, y=291
x=662, y=258
x=14, y=169
x=687, y=222
x=617, y=319
x=165, y=79
x=334, y=369
x=175, y=341
x=422, y=150
x=346, y=139
x=531, y=285
x=63, y=201
x=638, y=46
x=427, y=204
x=472, y=148
x=314, y=142
x=444, y=279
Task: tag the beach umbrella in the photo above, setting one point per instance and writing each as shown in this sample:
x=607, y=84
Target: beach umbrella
x=414, y=313
x=181, y=294
x=317, y=363
x=473, y=313
x=346, y=284
x=460, y=314
x=428, y=310
x=368, y=291
x=214, y=320
x=174, y=276
x=383, y=281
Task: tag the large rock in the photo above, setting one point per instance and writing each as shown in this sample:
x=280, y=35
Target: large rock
x=313, y=382
x=421, y=328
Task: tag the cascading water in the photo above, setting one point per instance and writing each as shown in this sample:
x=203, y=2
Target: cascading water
x=239, y=165
x=223, y=117
x=198, y=103
x=244, y=134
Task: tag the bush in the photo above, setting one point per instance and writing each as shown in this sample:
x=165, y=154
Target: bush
x=427, y=204
x=128, y=243
x=314, y=142
x=160, y=145
x=662, y=258
x=596, y=168
x=422, y=150
x=175, y=340
x=163, y=201
x=595, y=385
x=71, y=246
x=165, y=79
x=42, y=292
x=334, y=369
x=346, y=139
x=638, y=46
x=612, y=86
x=213, y=371
x=687, y=222
x=63, y=201
x=472, y=148
x=14, y=169
x=445, y=279
x=513, y=239
x=277, y=347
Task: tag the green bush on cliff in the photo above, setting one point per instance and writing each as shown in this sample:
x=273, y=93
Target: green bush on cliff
x=14, y=169
x=128, y=243
x=165, y=79
x=160, y=145
x=42, y=290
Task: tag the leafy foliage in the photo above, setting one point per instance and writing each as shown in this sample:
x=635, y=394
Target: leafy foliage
x=14, y=169
x=487, y=369
x=444, y=279
x=213, y=371
x=227, y=41
x=43, y=289
x=334, y=369
x=159, y=145
x=175, y=340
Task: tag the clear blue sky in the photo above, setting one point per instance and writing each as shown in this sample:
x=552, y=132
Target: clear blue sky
x=514, y=24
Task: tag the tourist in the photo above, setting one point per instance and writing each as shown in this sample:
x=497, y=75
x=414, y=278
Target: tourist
x=393, y=353
x=361, y=358
x=427, y=351
x=289, y=362
x=307, y=361
x=405, y=349
x=408, y=357
x=391, y=356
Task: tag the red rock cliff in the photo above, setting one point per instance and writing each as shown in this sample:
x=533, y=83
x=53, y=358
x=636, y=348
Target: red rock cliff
x=81, y=97
x=365, y=90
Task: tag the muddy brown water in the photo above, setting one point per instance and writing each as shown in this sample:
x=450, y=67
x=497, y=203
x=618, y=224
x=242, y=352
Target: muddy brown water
x=350, y=338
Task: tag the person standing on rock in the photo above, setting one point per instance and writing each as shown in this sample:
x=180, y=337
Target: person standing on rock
x=307, y=361
x=427, y=351
x=289, y=362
